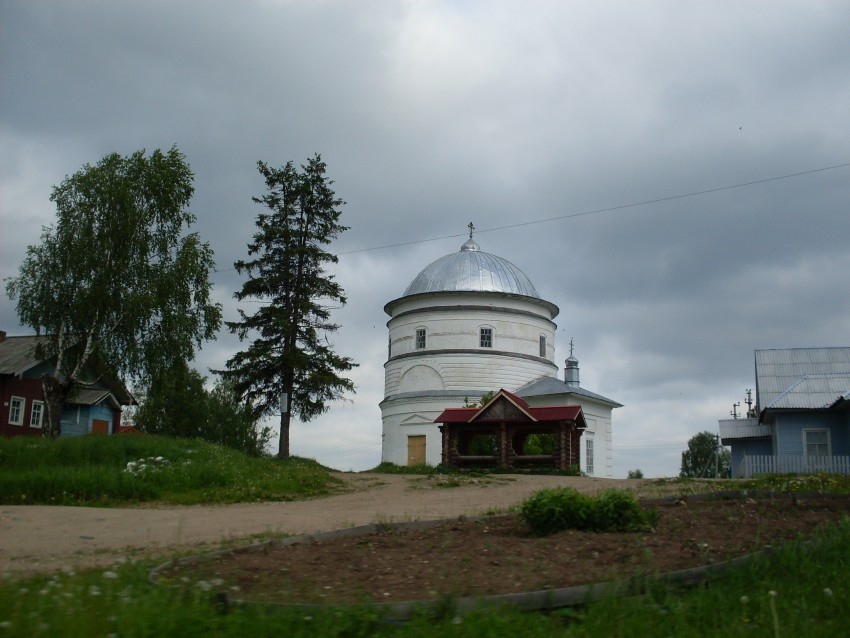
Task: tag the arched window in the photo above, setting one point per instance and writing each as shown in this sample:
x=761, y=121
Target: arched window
x=485, y=339
x=543, y=346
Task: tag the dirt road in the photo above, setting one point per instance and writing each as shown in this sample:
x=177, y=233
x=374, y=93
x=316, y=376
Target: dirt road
x=48, y=538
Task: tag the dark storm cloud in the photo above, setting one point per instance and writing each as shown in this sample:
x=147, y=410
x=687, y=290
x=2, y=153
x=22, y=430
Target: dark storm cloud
x=431, y=115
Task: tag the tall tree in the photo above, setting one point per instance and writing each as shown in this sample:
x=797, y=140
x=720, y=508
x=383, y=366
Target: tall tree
x=176, y=403
x=117, y=278
x=290, y=365
x=705, y=457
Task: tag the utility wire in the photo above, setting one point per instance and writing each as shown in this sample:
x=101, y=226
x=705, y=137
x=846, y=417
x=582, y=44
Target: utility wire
x=604, y=210
x=595, y=211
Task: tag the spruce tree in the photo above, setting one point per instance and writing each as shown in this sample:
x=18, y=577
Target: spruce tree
x=289, y=364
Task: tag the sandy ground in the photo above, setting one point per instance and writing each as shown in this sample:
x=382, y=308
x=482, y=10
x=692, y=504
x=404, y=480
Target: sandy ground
x=49, y=538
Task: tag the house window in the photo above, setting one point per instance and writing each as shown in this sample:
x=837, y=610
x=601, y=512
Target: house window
x=486, y=339
x=543, y=346
x=816, y=442
x=16, y=410
x=37, y=415
x=589, y=451
x=420, y=338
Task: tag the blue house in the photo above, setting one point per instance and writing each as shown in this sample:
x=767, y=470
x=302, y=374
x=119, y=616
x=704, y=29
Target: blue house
x=801, y=421
x=92, y=409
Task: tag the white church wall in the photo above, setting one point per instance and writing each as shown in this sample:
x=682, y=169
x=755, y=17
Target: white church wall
x=403, y=418
x=463, y=372
x=446, y=330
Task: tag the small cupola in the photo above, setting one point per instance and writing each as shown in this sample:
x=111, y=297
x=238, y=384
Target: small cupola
x=571, y=369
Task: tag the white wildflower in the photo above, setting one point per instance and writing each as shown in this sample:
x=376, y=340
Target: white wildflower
x=827, y=591
x=110, y=575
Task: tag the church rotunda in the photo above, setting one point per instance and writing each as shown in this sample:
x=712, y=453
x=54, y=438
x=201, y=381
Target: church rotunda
x=468, y=324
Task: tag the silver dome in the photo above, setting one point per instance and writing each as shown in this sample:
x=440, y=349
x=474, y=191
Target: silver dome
x=472, y=270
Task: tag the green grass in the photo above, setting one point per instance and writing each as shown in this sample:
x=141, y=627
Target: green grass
x=799, y=591
x=120, y=470
x=420, y=470
x=792, y=483
x=808, y=580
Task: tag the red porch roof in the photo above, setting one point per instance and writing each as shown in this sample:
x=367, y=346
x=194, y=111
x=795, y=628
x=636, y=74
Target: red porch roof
x=546, y=413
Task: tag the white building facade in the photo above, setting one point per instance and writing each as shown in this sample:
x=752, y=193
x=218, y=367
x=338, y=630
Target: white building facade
x=468, y=324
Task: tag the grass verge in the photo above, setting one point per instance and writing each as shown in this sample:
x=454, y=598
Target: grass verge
x=121, y=470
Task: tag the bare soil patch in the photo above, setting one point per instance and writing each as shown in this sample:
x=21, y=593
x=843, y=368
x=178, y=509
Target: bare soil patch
x=498, y=555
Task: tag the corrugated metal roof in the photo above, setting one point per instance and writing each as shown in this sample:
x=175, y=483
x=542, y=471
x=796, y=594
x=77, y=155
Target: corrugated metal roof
x=553, y=386
x=813, y=391
x=777, y=370
x=16, y=354
x=742, y=429
x=93, y=396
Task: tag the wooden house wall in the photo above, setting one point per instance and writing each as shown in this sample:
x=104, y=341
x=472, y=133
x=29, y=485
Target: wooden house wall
x=28, y=389
x=748, y=447
x=788, y=431
x=77, y=419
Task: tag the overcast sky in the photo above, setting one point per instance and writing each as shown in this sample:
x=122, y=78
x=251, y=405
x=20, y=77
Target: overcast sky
x=430, y=115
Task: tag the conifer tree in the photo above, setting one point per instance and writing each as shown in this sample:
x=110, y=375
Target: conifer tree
x=289, y=364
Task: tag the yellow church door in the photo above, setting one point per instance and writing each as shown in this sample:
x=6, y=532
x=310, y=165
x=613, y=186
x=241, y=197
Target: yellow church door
x=416, y=449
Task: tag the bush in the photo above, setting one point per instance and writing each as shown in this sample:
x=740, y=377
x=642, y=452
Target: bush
x=557, y=509
x=635, y=474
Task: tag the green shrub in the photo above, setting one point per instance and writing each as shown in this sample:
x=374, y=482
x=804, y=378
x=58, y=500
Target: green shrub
x=561, y=508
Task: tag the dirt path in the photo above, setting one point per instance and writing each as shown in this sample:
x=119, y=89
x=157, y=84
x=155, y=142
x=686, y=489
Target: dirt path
x=48, y=538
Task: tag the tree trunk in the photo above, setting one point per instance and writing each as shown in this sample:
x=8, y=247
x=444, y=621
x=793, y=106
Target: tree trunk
x=283, y=443
x=55, y=394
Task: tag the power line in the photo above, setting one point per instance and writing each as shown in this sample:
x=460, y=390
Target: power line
x=595, y=211
x=605, y=210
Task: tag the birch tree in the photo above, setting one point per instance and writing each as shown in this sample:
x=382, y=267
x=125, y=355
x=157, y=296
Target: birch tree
x=117, y=279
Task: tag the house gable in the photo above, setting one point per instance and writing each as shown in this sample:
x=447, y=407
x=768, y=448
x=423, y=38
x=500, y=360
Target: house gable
x=92, y=407
x=803, y=421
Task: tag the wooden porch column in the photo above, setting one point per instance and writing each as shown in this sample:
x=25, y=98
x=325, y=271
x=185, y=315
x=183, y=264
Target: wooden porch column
x=564, y=447
x=503, y=448
x=444, y=433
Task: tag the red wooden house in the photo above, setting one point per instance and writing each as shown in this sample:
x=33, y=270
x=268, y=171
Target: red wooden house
x=95, y=408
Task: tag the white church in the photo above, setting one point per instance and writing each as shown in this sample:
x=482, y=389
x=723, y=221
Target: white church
x=468, y=324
